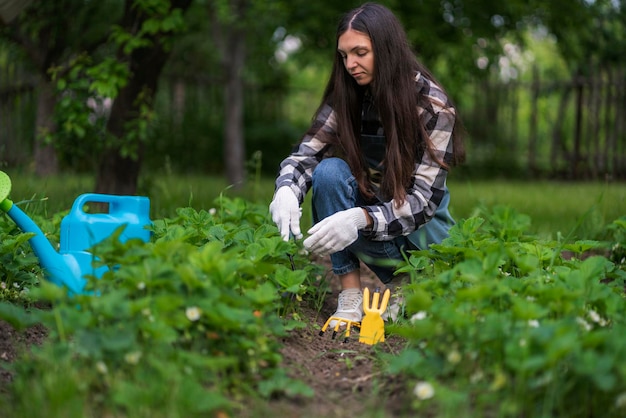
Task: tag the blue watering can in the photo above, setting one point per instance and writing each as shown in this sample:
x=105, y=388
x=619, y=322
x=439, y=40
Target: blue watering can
x=80, y=231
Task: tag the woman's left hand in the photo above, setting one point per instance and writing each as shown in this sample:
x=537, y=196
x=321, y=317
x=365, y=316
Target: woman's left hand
x=335, y=232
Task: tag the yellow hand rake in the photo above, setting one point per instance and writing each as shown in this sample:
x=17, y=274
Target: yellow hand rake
x=372, y=326
x=340, y=321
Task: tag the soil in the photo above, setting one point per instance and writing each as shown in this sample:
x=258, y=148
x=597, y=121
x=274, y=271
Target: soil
x=344, y=375
x=12, y=342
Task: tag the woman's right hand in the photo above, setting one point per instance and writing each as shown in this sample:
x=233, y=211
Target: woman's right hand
x=286, y=212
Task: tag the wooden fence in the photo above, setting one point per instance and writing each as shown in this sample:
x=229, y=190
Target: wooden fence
x=573, y=129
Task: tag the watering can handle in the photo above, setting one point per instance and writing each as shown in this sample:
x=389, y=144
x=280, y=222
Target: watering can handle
x=81, y=200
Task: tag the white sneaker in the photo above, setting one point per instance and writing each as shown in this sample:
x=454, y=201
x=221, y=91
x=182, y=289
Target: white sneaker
x=349, y=307
x=395, y=308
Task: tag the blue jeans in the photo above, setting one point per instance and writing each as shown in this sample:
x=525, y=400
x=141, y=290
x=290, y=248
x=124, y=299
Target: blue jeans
x=335, y=189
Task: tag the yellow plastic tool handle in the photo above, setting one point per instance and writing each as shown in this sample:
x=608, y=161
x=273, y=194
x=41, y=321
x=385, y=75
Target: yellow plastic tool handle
x=374, y=308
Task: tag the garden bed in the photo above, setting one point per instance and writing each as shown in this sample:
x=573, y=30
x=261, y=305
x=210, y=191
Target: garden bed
x=344, y=376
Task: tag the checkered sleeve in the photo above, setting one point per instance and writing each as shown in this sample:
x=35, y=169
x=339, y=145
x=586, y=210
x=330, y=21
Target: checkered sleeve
x=429, y=177
x=296, y=170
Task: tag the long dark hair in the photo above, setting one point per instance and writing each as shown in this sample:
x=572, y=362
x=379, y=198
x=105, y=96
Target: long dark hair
x=393, y=89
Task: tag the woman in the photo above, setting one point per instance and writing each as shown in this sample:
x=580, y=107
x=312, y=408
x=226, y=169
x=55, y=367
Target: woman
x=376, y=157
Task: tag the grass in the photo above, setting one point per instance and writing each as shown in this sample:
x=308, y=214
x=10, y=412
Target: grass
x=554, y=207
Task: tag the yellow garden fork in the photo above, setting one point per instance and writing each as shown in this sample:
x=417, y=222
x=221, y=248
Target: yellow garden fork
x=372, y=326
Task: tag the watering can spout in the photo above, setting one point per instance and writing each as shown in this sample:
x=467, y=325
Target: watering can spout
x=60, y=269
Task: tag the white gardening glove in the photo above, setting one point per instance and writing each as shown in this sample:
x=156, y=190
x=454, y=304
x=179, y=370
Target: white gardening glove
x=286, y=212
x=336, y=232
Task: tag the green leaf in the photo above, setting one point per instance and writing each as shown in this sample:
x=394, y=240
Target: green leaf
x=264, y=294
x=580, y=247
x=526, y=310
x=151, y=26
x=288, y=280
x=279, y=383
x=418, y=300
x=17, y=316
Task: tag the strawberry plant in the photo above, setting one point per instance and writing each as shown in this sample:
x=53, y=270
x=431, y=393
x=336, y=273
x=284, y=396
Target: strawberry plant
x=183, y=325
x=501, y=324
x=19, y=268
x=617, y=240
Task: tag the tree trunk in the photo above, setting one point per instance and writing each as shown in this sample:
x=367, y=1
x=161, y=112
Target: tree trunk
x=609, y=115
x=46, y=161
x=116, y=173
x=619, y=149
x=230, y=37
x=534, y=115
x=234, y=145
x=178, y=102
x=9, y=9
x=576, y=158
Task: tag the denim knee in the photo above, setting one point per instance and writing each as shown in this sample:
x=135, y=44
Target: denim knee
x=328, y=172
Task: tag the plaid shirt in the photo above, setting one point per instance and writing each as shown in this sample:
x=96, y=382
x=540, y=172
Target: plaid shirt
x=429, y=177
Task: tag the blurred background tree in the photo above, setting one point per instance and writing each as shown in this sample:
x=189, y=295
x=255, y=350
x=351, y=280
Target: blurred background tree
x=212, y=86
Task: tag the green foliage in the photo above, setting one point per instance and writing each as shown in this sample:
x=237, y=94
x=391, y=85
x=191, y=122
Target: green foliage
x=617, y=238
x=501, y=323
x=179, y=326
x=20, y=271
x=18, y=266
x=76, y=126
x=89, y=84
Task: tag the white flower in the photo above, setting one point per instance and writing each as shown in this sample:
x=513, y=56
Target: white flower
x=212, y=211
x=101, y=367
x=418, y=316
x=476, y=377
x=533, y=323
x=141, y=285
x=424, y=390
x=620, y=401
x=3, y=285
x=132, y=358
x=193, y=313
x=595, y=317
x=586, y=326
x=454, y=357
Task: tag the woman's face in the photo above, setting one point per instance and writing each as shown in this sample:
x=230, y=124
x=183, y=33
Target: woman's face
x=358, y=55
